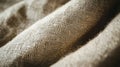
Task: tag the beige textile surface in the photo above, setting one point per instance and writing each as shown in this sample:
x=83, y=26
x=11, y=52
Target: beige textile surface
x=59, y=33
x=7, y=3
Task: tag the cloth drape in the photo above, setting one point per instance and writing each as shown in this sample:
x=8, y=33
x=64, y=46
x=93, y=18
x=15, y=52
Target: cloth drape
x=59, y=33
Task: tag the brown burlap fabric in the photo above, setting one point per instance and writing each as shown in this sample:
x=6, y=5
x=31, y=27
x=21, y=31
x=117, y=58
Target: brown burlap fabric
x=59, y=33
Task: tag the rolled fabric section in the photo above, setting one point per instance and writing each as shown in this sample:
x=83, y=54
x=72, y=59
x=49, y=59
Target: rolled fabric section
x=37, y=9
x=102, y=51
x=10, y=21
x=7, y=3
x=22, y=15
x=49, y=39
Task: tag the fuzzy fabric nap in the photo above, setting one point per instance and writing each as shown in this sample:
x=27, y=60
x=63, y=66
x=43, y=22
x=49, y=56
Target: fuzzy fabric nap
x=60, y=33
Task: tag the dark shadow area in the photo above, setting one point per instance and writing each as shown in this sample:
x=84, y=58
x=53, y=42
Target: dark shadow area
x=113, y=60
x=100, y=26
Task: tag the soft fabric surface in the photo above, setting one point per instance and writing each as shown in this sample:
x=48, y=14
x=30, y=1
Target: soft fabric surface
x=59, y=33
x=4, y=4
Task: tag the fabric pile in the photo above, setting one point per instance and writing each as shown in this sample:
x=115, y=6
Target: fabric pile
x=60, y=33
